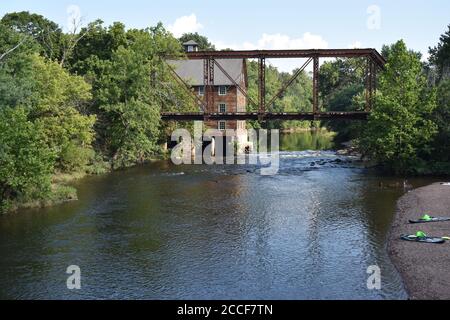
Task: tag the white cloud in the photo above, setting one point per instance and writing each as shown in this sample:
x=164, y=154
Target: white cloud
x=185, y=24
x=355, y=45
x=280, y=41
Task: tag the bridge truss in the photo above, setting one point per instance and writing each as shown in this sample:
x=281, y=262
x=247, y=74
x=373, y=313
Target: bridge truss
x=374, y=62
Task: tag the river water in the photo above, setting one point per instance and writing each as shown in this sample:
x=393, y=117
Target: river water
x=162, y=231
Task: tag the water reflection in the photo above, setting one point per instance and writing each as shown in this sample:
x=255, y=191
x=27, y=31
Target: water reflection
x=308, y=140
x=210, y=232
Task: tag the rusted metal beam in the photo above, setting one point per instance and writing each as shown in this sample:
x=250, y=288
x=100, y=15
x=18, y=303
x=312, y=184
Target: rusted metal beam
x=205, y=83
x=262, y=85
x=356, y=115
x=244, y=92
x=316, y=85
x=375, y=62
x=289, y=82
x=208, y=82
x=308, y=53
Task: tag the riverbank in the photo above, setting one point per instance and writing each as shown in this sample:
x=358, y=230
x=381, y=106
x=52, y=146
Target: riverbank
x=423, y=267
x=62, y=189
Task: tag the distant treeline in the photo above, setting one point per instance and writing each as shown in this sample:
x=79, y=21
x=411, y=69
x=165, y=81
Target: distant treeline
x=89, y=101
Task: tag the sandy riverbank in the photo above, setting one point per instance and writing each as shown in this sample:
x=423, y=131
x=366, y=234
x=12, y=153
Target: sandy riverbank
x=425, y=268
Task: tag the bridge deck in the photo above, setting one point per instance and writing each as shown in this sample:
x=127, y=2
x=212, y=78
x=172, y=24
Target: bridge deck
x=356, y=115
x=304, y=53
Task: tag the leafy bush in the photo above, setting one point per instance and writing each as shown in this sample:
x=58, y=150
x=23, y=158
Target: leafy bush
x=57, y=100
x=26, y=161
x=399, y=131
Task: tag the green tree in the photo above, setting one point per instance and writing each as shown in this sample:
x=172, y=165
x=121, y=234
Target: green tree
x=440, y=55
x=296, y=98
x=47, y=33
x=341, y=85
x=202, y=41
x=441, y=150
x=132, y=89
x=97, y=44
x=399, y=130
x=132, y=117
x=26, y=161
x=16, y=76
x=439, y=68
x=56, y=104
x=337, y=76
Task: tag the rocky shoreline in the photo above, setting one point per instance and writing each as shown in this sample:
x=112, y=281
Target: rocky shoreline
x=423, y=267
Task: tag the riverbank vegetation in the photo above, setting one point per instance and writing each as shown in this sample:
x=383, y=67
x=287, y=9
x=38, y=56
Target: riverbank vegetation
x=408, y=130
x=89, y=101
x=78, y=103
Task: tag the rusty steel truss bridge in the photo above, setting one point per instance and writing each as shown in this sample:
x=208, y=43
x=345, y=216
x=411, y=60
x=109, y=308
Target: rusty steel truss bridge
x=374, y=62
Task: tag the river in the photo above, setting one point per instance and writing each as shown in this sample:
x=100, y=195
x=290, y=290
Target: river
x=161, y=231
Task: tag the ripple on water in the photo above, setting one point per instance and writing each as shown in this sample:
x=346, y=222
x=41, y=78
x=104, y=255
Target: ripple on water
x=209, y=232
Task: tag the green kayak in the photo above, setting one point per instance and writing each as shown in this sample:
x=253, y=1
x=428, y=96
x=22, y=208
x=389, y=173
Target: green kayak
x=431, y=219
x=427, y=218
x=425, y=239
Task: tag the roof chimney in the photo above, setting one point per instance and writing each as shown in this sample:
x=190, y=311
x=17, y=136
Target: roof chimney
x=190, y=46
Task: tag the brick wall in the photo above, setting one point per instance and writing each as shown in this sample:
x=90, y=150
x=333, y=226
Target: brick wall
x=241, y=99
x=234, y=100
x=231, y=100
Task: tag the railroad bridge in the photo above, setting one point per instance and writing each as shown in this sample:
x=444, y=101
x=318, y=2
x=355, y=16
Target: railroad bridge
x=374, y=63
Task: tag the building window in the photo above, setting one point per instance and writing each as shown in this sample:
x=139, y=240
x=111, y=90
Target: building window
x=222, y=108
x=222, y=90
x=190, y=48
x=222, y=125
x=201, y=91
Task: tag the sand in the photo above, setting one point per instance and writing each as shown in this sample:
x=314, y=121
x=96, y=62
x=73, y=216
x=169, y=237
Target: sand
x=424, y=267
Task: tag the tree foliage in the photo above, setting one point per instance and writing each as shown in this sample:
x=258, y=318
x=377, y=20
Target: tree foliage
x=26, y=161
x=55, y=106
x=202, y=41
x=46, y=33
x=440, y=55
x=131, y=85
x=341, y=86
x=399, y=130
x=296, y=98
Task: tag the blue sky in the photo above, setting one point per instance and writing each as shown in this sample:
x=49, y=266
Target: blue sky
x=267, y=23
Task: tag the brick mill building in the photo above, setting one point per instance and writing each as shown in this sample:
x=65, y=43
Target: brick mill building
x=227, y=97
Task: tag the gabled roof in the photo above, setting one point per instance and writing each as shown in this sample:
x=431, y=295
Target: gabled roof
x=190, y=43
x=192, y=71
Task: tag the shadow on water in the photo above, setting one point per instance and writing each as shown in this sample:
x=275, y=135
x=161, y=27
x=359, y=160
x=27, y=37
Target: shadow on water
x=162, y=231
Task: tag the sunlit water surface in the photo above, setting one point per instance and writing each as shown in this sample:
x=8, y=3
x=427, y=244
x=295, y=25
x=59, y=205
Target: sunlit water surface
x=161, y=231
